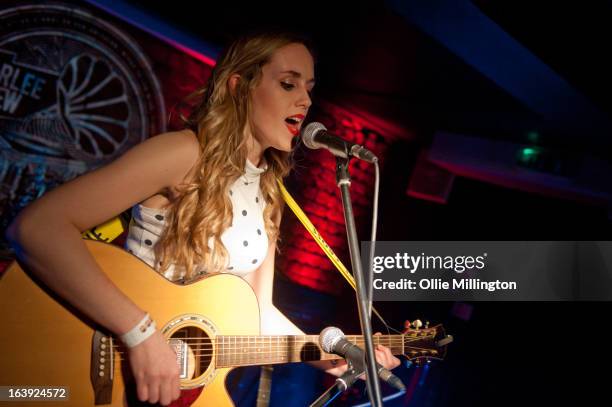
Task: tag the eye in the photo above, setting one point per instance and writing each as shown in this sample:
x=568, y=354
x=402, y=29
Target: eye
x=287, y=86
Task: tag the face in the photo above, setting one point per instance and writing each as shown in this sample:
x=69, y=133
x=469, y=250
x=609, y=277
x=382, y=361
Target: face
x=282, y=98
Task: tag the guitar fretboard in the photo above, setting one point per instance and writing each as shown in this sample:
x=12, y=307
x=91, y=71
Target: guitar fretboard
x=234, y=351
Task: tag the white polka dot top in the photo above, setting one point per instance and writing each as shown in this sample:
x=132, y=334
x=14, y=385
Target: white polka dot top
x=245, y=240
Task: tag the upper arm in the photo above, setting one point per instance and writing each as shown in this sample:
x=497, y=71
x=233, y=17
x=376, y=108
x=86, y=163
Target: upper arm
x=148, y=168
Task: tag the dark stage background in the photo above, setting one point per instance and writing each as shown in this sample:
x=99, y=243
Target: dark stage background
x=492, y=121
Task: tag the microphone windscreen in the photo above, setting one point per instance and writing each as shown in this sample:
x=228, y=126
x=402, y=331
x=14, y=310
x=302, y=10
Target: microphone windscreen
x=309, y=132
x=328, y=338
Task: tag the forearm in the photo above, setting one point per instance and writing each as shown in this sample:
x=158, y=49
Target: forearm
x=335, y=368
x=54, y=252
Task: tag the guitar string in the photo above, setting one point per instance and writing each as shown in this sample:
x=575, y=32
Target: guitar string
x=314, y=340
x=252, y=359
x=308, y=346
x=203, y=365
x=269, y=345
x=279, y=352
x=257, y=340
x=224, y=353
x=273, y=347
x=201, y=341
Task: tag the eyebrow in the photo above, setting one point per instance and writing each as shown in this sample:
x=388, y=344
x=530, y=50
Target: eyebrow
x=296, y=74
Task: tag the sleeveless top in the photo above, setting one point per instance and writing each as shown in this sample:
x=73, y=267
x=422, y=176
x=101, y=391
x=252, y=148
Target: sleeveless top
x=246, y=239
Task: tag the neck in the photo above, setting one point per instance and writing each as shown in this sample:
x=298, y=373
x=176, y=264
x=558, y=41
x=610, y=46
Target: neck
x=255, y=158
x=233, y=351
x=255, y=150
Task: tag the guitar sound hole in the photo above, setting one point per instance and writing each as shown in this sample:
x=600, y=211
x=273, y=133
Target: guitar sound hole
x=194, y=351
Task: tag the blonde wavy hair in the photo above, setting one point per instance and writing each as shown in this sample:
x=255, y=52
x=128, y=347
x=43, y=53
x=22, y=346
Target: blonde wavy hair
x=220, y=118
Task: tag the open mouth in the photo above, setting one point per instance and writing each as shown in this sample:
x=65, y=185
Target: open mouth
x=293, y=123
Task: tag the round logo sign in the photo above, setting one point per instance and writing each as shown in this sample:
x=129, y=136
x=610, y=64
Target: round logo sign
x=75, y=93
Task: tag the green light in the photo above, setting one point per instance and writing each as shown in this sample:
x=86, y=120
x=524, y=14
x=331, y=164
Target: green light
x=528, y=155
x=528, y=152
x=533, y=136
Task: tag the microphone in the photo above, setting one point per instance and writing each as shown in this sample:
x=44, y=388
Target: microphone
x=332, y=340
x=315, y=136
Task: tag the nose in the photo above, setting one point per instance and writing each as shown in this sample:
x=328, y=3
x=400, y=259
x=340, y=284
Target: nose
x=304, y=100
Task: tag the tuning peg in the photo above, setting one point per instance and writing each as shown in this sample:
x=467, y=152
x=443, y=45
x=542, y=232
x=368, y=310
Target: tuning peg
x=416, y=324
x=426, y=324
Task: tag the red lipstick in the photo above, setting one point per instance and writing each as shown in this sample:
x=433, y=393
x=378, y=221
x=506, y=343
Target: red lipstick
x=293, y=129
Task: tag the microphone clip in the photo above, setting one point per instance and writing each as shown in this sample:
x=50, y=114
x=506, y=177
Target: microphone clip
x=348, y=378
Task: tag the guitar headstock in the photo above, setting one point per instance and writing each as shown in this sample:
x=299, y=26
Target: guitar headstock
x=423, y=344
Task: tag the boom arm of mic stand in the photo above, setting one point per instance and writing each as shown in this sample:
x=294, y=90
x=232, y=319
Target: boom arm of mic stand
x=348, y=378
x=327, y=397
x=343, y=181
x=342, y=383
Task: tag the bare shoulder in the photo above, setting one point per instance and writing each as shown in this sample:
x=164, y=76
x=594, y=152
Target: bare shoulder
x=184, y=139
x=175, y=153
x=176, y=144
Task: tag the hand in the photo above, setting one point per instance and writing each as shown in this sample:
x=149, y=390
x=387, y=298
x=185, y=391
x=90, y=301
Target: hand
x=156, y=370
x=385, y=357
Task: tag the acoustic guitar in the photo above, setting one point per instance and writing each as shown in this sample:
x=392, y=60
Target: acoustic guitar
x=212, y=324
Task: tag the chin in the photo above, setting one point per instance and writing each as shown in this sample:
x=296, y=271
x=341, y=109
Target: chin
x=286, y=146
x=285, y=149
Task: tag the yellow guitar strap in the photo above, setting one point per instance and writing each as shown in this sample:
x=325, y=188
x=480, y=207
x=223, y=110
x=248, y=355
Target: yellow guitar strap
x=319, y=239
x=315, y=234
x=106, y=232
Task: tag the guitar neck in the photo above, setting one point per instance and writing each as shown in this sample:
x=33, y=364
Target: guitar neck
x=235, y=351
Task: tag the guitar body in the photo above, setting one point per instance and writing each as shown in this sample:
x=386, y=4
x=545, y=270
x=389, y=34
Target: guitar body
x=46, y=342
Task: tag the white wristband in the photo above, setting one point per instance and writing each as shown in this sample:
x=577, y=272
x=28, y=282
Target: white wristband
x=139, y=333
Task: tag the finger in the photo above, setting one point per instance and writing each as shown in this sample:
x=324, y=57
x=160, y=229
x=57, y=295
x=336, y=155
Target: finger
x=153, y=392
x=176, y=387
x=388, y=355
x=390, y=359
x=396, y=362
x=143, y=391
x=380, y=357
x=166, y=392
x=387, y=351
x=383, y=349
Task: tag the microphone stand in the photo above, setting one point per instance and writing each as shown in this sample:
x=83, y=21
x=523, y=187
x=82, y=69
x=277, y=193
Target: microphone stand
x=343, y=181
x=342, y=384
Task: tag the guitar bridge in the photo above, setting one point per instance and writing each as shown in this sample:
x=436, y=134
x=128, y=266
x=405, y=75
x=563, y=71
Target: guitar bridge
x=102, y=367
x=181, y=350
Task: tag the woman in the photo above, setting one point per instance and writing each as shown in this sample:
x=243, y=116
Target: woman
x=206, y=201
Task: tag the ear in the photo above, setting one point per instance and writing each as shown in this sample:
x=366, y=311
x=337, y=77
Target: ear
x=233, y=83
